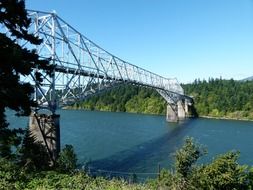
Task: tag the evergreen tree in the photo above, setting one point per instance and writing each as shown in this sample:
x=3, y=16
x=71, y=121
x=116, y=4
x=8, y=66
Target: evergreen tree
x=33, y=154
x=187, y=156
x=67, y=160
x=222, y=98
x=15, y=62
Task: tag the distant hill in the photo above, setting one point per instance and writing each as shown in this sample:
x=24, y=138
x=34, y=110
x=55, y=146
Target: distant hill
x=248, y=79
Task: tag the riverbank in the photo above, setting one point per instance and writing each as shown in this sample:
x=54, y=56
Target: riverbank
x=150, y=113
x=226, y=118
x=105, y=110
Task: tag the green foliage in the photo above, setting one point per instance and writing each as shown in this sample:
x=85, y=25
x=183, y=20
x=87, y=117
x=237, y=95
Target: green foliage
x=9, y=138
x=67, y=160
x=223, y=172
x=187, y=156
x=126, y=98
x=12, y=178
x=16, y=61
x=33, y=155
x=222, y=98
x=11, y=175
x=8, y=174
x=54, y=180
x=185, y=167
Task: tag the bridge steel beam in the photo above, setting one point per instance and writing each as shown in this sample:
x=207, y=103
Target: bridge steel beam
x=82, y=68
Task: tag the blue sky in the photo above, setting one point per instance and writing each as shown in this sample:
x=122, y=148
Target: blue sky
x=187, y=39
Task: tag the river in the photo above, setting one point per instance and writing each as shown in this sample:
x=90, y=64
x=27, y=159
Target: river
x=126, y=142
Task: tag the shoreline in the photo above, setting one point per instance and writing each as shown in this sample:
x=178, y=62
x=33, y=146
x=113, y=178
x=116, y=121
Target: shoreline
x=225, y=118
x=152, y=114
x=202, y=116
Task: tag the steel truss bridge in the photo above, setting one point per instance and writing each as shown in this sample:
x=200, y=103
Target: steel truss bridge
x=82, y=68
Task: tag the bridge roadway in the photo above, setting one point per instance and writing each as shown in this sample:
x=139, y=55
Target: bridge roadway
x=82, y=68
x=64, y=69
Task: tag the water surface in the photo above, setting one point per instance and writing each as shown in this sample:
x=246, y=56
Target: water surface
x=127, y=142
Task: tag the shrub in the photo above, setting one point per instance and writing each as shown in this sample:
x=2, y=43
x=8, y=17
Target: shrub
x=67, y=161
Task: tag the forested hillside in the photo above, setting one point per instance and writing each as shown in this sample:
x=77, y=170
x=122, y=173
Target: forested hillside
x=215, y=98
x=126, y=98
x=222, y=98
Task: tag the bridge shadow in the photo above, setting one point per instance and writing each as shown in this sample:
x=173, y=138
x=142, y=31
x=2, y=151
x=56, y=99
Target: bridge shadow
x=129, y=160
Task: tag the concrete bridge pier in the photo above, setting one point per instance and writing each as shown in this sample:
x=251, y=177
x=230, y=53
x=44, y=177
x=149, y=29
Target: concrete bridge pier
x=46, y=129
x=171, y=115
x=177, y=112
x=181, y=113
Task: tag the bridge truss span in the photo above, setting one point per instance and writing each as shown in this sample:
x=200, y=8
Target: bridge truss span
x=82, y=68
